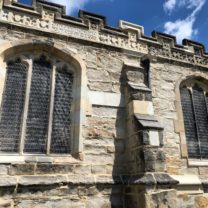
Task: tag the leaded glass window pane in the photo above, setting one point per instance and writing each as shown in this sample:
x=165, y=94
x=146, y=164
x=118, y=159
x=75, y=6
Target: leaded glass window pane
x=12, y=107
x=201, y=119
x=39, y=102
x=189, y=122
x=47, y=109
x=61, y=129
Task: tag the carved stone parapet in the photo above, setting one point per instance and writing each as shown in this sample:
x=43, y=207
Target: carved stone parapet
x=49, y=17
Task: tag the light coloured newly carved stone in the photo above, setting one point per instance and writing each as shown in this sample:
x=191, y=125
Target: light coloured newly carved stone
x=154, y=138
x=187, y=179
x=141, y=107
x=106, y=99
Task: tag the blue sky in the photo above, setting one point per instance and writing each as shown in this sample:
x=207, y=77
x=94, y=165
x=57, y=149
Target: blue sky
x=182, y=18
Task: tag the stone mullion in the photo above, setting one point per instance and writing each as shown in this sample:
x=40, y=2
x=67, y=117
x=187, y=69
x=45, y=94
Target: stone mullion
x=196, y=126
x=50, y=123
x=26, y=107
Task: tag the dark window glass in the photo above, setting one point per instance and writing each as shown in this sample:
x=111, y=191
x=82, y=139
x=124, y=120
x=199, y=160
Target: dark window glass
x=39, y=108
x=189, y=122
x=38, y=113
x=201, y=119
x=12, y=107
x=61, y=131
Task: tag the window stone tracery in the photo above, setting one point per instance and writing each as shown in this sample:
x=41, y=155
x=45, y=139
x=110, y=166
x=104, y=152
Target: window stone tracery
x=35, y=115
x=194, y=103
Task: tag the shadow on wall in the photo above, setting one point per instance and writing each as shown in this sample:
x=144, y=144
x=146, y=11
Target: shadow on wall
x=119, y=166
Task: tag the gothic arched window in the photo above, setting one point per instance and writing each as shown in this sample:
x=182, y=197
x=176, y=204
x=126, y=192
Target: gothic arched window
x=194, y=101
x=35, y=114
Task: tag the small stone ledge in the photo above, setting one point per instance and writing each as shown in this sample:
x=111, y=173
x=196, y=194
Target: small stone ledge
x=148, y=121
x=161, y=179
x=48, y=180
x=42, y=180
x=144, y=180
x=165, y=179
x=81, y=179
x=139, y=87
x=18, y=159
x=7, y=181
x=197, y=163
x=187, y=180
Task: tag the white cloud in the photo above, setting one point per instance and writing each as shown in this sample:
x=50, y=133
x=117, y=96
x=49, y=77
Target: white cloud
x=169, y=5
x=181, y=29
x=184, y=28
x=71, y=5
x=189, y=4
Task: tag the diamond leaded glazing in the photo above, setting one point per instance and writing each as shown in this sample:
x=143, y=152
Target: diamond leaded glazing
x=12, y=107
x=38, y=113
x=32, y=135
x=195, y=113
x=61, y=131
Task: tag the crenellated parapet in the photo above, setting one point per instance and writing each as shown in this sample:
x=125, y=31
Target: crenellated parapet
x=51, y=18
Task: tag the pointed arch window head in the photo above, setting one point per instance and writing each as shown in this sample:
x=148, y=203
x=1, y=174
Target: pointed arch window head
x=194, y=101
x=35, y=114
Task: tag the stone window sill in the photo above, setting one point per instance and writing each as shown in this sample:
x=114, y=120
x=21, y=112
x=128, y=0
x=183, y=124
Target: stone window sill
x=8, y=159
x=197, y=163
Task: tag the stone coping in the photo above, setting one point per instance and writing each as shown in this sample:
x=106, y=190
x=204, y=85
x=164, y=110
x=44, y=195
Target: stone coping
x=148, y=121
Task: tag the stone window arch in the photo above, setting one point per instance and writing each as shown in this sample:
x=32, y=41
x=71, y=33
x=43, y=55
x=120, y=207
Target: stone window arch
x=194, y=109
x=36, y=115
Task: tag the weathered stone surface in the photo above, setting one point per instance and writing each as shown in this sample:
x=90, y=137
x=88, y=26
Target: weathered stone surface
x=104, y=179
x=162, y=199
x=136, y=76
x=6, y=204
x=165, y=179
x=81, y=179
x=201, y=202
x=3, y=170
x=8, y=181
x=42, y=180
x=58, y=203
x=142, y=180
x=184, y=200
x=22, y=169
x=150, y=160
x=98, y=202
x=110, y=145
x=54, y=168
x=99, y=169
x=82, y=169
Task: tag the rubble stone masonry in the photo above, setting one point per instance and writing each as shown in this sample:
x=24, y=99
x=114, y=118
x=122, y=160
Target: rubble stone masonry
x=128, y=143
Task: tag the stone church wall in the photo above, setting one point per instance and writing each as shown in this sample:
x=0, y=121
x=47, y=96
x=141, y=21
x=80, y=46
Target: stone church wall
x=129, y=148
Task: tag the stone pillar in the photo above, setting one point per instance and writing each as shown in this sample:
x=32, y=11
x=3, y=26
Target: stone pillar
x=148, y=185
